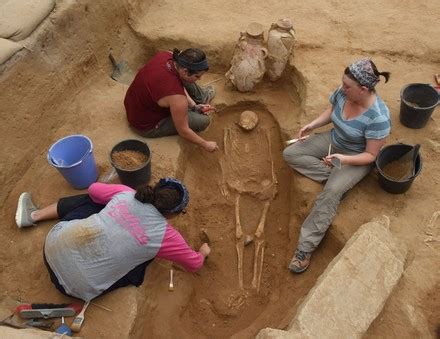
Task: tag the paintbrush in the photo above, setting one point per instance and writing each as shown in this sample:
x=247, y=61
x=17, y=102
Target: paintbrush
x=171, y=285
x=293, y=141
x=79, y=319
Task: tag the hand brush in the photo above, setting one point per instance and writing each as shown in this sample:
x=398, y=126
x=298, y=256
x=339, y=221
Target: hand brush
x=79, y=319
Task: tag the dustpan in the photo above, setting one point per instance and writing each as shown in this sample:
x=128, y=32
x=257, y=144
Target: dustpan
x=410, y=157
x=121, y=71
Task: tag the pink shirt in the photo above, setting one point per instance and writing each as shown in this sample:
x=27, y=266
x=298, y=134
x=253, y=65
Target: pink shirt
x=173, y=246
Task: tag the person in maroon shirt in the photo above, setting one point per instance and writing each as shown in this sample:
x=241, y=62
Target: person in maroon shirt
x=158, y=103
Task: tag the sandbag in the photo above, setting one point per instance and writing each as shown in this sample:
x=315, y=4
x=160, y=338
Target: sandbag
x=8, y=48
x=18, y=18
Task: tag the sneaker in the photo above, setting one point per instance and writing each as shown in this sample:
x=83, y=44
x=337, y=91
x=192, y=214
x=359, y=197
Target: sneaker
x=210, y=94
x=300, y=261
x=24, y=209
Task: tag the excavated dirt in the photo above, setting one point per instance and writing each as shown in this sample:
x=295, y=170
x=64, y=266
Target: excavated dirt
x=129, y=160
x=60, y=85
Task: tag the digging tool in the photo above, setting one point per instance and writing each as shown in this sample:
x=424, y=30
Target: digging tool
x=410, y=157
x=171, y=284
x=336, y=162
x=64, y=329
x=293, y=141
x=204, y=238
x=47, y=313
x=121, y=71
x=29, y=311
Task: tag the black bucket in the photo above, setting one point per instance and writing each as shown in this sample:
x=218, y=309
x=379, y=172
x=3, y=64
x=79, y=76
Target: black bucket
x=137, y=176
x=417, y=102
x=391, y=153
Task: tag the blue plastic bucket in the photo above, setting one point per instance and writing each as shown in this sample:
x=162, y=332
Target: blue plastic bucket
x=73, y=157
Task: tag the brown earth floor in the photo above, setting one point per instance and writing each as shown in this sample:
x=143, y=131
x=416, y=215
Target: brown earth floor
x=60, y=86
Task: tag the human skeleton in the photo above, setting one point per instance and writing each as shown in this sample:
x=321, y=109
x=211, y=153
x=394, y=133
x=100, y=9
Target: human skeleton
x=247, y=170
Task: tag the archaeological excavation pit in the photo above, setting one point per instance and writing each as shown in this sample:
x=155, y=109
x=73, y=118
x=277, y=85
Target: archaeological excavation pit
x=244, y=196
x=245, y=179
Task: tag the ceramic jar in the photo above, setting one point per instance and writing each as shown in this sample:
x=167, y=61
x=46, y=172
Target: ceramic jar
x=280, y=43
x=248, y=62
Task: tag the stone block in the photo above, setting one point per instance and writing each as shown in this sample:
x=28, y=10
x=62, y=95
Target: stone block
x=353, y=289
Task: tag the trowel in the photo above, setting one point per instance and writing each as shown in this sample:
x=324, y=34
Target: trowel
x=121, y=71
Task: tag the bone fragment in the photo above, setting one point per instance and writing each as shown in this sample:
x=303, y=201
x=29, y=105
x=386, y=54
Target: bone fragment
x=248, y=239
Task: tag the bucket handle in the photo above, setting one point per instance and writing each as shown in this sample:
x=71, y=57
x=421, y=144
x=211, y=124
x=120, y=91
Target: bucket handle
x=55, y=162
x=437, y=88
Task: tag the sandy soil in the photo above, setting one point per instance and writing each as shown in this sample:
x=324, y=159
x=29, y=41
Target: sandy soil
x=60, y=85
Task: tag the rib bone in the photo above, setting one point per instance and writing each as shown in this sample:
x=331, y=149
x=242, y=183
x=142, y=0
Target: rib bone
x=226, y=135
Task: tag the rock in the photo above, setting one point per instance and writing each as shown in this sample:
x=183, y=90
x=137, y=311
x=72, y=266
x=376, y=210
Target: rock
x=353, y=289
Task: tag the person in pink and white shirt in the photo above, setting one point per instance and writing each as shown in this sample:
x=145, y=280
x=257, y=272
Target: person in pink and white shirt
x=105, y=239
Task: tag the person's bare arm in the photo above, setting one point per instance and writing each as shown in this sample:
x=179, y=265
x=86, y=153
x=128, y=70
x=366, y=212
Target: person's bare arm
x=191, y=102
x=178, y=105
x=367, y=157
x=323, y=119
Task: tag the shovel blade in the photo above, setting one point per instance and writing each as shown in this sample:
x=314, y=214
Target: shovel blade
x=121, y=72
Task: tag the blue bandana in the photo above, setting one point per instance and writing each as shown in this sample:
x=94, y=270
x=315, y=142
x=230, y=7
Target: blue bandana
x=193, y=66
x=171, y=182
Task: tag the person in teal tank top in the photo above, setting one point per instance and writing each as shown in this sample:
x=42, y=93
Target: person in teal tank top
x=342, y=156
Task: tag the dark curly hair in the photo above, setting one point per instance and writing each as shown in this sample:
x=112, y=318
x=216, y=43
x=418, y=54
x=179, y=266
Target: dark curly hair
x=163, y=198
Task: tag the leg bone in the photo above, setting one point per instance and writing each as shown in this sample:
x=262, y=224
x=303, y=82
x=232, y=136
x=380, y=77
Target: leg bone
x=240, y=246
x=260, y=270
x=260, y=229
x=258, y=245
x=238, y=228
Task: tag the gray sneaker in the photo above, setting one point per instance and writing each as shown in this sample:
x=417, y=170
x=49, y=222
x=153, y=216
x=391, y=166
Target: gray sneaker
x=300, y=261
x=210, y=94
x=24, y=209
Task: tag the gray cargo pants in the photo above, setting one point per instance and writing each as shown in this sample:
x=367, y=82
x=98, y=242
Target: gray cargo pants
x=196, y=121
x=305, y=157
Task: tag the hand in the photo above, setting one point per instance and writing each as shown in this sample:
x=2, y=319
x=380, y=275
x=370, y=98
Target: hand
x=210, y=146
x=204, y=250
x=306, y=129
x=328, y=159
x=203, y=108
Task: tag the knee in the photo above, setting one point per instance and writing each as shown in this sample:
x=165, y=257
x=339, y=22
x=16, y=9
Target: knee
x=333, y=191
x=201, y=123
x=290, y=155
